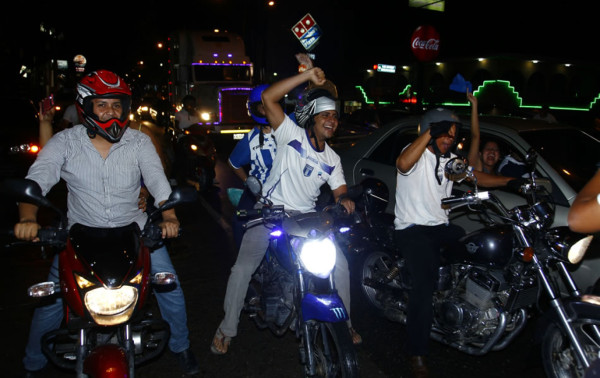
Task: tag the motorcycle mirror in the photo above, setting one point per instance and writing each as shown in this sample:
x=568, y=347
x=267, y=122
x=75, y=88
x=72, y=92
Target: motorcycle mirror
x=456, y=166
x=28, y=191
x=545, y=184
x=24, y=190
x=254, y=185
x=531, y=159
x=178, y=196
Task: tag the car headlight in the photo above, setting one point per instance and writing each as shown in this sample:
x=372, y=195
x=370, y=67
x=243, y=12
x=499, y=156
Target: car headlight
x=111, y=306
x=27, y=148
x=318, y=256
x=205, y=116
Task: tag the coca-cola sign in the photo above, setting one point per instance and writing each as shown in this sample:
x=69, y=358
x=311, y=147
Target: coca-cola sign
x=425, y=43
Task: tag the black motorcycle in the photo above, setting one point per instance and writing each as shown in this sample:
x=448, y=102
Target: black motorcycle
x=194, y=157
x=497, y=277
x=370, y=227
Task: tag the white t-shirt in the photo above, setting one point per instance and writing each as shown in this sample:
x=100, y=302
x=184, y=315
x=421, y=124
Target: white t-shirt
x=186, y=119
x=419, y=195
x=299, y=170
x=71, y=115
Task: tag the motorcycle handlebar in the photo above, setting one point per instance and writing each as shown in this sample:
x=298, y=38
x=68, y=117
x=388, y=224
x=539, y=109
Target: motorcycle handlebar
x=152, y=236
x=49, y=236
x=264, y=213
x=468, y=198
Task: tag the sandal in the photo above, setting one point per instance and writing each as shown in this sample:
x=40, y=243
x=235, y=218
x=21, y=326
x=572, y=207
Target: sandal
x=356, y=339
x=220, y=343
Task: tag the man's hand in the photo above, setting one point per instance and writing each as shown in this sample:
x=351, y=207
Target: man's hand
x=305, y=62
x=316, y=76
x=440, y=128
x=348, y=204
x=143, y=198
x=169, y=227
x=472, y=99
x=27, y=230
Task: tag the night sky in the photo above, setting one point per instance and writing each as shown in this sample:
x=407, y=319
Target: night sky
x=355, y=34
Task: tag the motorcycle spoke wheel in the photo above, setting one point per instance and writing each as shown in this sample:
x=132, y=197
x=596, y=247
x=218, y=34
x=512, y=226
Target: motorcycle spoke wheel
x=333, y=351
x=375, y=267
x=559, y=358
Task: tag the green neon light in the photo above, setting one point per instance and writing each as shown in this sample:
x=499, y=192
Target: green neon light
x=406, y=89
x=366, y=98
x=518, y=98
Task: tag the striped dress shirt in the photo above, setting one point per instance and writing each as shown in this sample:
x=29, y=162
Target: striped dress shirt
x=101, y=192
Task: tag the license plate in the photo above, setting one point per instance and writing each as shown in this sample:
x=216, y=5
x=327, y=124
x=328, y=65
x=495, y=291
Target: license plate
x=238, y=136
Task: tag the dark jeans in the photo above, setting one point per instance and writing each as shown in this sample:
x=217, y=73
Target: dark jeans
x=420, y=245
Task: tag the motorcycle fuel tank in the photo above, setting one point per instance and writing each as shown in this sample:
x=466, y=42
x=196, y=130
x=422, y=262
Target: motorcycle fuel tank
x=492, y=247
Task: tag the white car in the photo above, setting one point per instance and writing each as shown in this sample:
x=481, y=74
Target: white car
x=568, y=157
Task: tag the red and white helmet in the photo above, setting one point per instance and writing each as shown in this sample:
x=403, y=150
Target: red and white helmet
x=103, y=84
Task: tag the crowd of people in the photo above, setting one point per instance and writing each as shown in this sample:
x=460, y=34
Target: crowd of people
x=100, y=138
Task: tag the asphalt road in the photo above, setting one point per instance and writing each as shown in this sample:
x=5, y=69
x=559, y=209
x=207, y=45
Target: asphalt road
x=203, y=256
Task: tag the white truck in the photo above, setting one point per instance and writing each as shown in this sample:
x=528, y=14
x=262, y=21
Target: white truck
x=213, y=67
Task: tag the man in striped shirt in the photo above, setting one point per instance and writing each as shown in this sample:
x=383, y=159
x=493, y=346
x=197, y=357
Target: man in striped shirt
x=103, y=177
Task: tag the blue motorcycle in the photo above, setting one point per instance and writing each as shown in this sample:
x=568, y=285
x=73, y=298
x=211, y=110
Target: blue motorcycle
x=293, y=288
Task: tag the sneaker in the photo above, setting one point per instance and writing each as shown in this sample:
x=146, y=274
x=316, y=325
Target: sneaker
x=188, y=362
x=220, y=343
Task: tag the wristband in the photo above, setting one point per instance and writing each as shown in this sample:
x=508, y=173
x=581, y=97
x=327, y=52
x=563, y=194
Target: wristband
x=598, y=198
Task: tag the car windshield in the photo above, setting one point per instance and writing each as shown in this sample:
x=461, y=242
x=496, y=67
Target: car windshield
x=572, y=153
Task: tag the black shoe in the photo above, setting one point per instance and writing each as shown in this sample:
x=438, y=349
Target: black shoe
x=187, y=361
x=419, y=366
x=34, y=373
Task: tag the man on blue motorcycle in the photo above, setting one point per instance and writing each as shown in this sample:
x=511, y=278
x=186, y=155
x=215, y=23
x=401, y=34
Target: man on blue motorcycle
x=304, y=162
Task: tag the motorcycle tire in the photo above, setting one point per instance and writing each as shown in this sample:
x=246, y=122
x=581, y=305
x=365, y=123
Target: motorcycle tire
x=558, y=357
x=333, y=351
x=374, y=266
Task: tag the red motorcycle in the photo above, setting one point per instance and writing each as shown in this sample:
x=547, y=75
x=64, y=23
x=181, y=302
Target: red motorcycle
x=104, y=282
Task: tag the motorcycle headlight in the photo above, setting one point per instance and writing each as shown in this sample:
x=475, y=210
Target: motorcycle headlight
x=318, y=256
x=570, y=245
x=110, y=307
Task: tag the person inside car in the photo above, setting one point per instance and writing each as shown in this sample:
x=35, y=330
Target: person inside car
x=490, y=157
x=292, y=185
x=85, y=156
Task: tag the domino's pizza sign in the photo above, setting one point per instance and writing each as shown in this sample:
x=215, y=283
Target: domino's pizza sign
x=307, y=31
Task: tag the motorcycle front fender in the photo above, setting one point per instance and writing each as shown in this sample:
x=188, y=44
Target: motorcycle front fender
x=325, y=308
x=107, y=361
x=576, y=308
x=579, y=308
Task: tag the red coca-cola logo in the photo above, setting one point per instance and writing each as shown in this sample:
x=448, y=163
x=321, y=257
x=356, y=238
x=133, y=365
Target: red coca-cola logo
x=425, y=43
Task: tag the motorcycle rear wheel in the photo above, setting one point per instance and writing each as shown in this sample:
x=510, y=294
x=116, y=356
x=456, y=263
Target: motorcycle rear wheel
x=333, y=351
x=558, y=358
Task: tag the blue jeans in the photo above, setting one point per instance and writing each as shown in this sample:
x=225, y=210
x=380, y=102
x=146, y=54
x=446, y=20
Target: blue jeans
x=171, y=304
